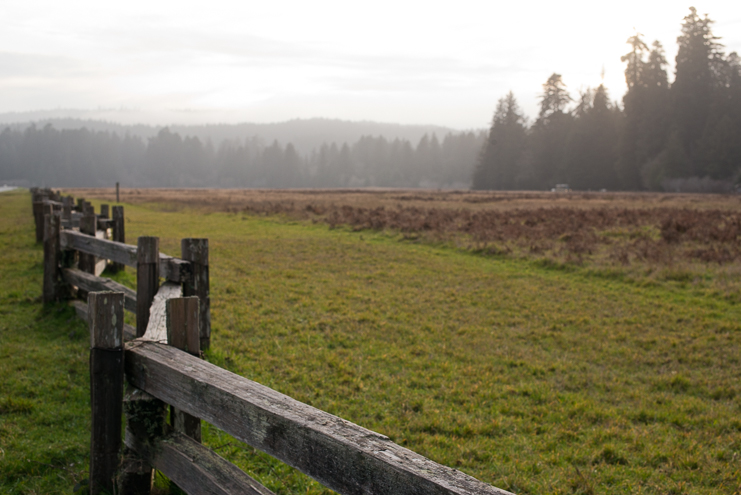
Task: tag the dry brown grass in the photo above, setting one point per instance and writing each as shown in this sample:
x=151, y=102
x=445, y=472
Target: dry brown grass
x=231, y=199
x=684, y=235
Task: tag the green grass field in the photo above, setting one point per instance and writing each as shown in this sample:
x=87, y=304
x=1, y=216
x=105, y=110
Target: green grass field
x=534, y=378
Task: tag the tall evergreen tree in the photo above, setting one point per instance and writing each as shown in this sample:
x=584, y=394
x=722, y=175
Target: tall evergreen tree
x=548, y=136
x=591, y=150
x=502, y=151
x=645, y=119
x=692, y=92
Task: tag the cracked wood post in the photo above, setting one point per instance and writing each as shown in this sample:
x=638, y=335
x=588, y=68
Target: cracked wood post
x=147, y=279
x=88, y=225
x=106, y=387
x=196, y=252
x=52, y=221
x=183, y=333
x=119, y=235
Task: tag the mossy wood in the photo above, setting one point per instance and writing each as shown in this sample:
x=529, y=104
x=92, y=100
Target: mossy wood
x=343, y=456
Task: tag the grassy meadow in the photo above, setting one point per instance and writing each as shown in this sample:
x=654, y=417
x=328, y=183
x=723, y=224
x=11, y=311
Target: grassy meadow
x=536, y=377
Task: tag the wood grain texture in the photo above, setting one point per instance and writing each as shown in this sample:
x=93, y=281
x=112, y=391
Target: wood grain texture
x=196, y=252
x=183, y=334
x=81, y=309
x=102, y=248
x=182, y=324
x=173, y=269
x=345, y=457
x=196, y=469
x=105, y=321
x=157, y=324
x=91, y=283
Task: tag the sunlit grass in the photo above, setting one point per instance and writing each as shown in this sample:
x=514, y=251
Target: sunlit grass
x=535, y=377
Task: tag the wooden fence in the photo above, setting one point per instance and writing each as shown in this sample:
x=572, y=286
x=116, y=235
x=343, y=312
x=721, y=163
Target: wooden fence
x=158, y=364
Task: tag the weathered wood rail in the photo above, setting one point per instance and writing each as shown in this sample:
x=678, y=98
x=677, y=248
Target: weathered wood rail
x=160, y=361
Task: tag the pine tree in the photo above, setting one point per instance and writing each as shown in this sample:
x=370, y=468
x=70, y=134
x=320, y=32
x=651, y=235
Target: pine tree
x=590, y=154
x=549, y=134
x=500, y=154
x=697, y=59
x=645, y=120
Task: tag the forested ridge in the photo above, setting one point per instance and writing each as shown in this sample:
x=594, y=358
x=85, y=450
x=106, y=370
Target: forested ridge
x=683, y=136
x=678, y=136
x=85, y=158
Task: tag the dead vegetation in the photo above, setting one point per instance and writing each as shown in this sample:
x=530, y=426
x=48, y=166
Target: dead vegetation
x=616, y=229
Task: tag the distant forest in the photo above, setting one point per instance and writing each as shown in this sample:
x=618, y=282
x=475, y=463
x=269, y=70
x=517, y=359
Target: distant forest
x=48, y=156
x=683, y=136
x=679, y=136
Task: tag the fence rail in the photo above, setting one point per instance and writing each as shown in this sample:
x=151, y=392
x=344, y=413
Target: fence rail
x=343, y=456
x=160, y=360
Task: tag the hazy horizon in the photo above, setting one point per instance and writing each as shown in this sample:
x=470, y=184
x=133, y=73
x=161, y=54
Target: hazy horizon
x=400, y=62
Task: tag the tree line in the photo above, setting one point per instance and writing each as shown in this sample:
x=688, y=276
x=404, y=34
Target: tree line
x=86, y=158
x=680, y=136
x=683, y=135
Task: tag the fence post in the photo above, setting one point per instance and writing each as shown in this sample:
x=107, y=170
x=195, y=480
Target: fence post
x=87, y=226
x=117, y=212
x=52, y=222
x=67, y=210
x=104, y=211
x=145, y=418
x=147, y=279
x=183, y=332
x=117, y=197
x=196, y=251
x=106, y=387
x=38, y=216
x=80, y=204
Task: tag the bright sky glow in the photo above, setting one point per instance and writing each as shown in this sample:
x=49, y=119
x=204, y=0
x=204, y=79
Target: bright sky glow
x=401, y=61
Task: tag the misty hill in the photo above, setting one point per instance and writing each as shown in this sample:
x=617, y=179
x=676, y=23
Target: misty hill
x=306, y=135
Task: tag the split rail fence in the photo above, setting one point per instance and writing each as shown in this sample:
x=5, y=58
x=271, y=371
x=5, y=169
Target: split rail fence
x=153, y=375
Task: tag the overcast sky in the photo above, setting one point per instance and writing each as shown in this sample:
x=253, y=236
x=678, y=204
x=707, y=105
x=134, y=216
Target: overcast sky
x=400, y=61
